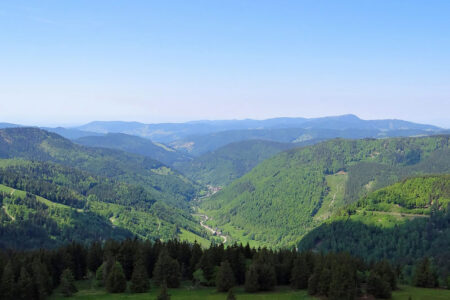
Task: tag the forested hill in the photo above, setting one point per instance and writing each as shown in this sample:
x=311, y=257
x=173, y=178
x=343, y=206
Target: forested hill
x=162, y=182
x=222, y=166
x=135, y=144
x=44, y=205
x=291, y=193
x=402, y=222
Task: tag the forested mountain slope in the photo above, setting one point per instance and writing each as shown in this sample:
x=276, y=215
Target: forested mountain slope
x=222, y=166
x=45, y=205
x=137, y=145
x=291, y=193
x=160, y=181
x=402, y=222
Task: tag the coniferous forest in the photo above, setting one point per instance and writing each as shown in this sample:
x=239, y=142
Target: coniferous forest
x=129, y=265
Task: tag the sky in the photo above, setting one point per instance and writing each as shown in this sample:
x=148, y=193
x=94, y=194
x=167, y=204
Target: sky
x=71, y=62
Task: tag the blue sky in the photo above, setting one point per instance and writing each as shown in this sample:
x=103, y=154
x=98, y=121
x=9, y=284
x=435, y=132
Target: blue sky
x=69, y=62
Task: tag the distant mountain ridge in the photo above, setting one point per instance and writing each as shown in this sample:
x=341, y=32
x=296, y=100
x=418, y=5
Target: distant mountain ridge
x=168, y=132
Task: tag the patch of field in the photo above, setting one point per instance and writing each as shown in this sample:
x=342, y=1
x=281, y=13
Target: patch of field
x=335, y=197
x=19, y=193
x=420, y=294
x=88, y=291
x=184, y=293
x=192, y=237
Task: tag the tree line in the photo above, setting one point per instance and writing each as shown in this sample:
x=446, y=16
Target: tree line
x=132, y=264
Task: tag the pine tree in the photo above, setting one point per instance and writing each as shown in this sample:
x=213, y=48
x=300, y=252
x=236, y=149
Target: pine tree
x=167, y=270
x=116, y=281
x=231, y=295
x=251, y=280
x=25, y=285
x=41, y=279
x=377, y=287
x=94, y=257
x=225, y=277
x=139, y=279
x=424, y=276
x=299, y=275
x=163, y=294
x=8, y=287
x=68, y=287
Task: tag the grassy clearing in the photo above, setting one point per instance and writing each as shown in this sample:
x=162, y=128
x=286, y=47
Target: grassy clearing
x=335, y=197
x=192, y=237
x=405, y=292
x=19, y=193
x=88, y=292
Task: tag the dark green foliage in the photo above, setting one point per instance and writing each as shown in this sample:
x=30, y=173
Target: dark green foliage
x=225, y=277
x=337, y=276
x=95, y=257
x=8, y=287
x=167, y=270
x=261, y=275
x=139, y=280
x=230, y=295
x=163, y=294
x=378, y=287
x=41, y=279
x=300, y=273
x=25, y=285
x=251, y=280
x=116, y=281
x=68, y=287
x=424, y=275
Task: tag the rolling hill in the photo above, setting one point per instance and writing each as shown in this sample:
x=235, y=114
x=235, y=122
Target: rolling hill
x=402, y=222
x=137, y=145
x=162, y=182
x=287, y=195
x=45, y=205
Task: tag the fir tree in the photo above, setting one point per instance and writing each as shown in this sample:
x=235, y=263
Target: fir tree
x=251, y=280
x=116, y=281
x=94, y=257
x=8, y=287
x=300, y=274
x=41, y=279
x=225, y=277
x=167, y=270
x=139, y=279
x=25, y=285
x=231, y=295
x=163, y=294
x=378, y=287
x=424, y=276
x=68, y=287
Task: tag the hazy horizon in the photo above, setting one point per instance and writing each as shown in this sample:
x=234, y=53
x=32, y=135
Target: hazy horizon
x=69, y=63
